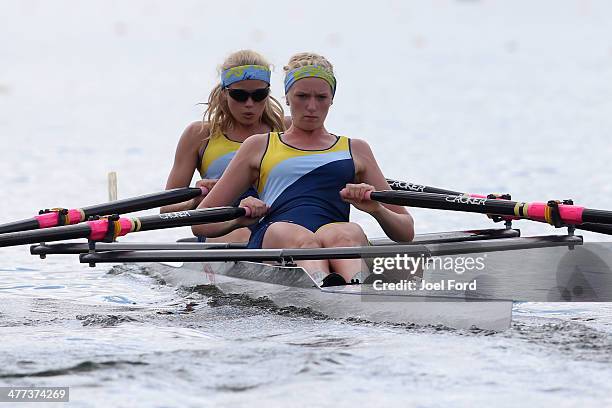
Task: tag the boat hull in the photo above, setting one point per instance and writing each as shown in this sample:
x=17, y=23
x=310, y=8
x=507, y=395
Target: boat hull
x=293, y=286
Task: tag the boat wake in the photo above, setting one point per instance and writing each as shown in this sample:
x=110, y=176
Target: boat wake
x=80, y=368
x=104, y=320
x=569, y=339
x=575, y=332
x=217, y=298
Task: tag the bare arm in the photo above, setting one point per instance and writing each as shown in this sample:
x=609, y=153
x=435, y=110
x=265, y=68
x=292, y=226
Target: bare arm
x=241, y=173
x=185, y=163
x=394, y=220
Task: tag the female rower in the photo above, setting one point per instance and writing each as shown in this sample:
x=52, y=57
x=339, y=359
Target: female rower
x=238, y=107
x=306, y=178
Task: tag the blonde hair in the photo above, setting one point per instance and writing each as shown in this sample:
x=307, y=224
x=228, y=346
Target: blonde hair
x=218, y=114
x=303, y=59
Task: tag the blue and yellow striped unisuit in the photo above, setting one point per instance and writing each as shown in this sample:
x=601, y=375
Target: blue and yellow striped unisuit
x=303, y=186
x=216, y=157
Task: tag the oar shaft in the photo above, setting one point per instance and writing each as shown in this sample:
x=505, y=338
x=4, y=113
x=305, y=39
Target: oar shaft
x=588, y=216
x=445, y=202
x=144, y=202
x=128, y=205
x=594, y=227
x=567, y=213
x=192, y=217
x=99, y=229
x=21, y=225
x=597, y=216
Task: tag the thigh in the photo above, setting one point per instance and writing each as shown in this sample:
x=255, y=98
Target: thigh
x=289, y=235
x=341, y=234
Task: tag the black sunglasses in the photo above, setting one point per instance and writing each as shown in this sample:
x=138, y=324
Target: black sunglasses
x=240, y=95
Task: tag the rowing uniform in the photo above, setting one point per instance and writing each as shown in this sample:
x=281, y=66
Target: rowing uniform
x=215, y=158
x=303, y=186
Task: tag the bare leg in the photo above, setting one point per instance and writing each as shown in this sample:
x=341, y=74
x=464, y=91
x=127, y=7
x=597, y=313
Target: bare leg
x=288, y=235
x=346, y=234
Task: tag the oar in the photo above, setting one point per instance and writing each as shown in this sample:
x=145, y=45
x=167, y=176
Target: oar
x=60, y=216
x=107, y=229
x=552, y=212
x=407, y=186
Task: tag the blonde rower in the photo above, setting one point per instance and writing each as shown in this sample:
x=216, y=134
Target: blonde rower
x=238, y=107
x=306, y=178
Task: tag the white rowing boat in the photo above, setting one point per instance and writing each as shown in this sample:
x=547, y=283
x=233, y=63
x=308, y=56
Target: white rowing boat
x=543, y=268
x=293, y=286
x=236, y=270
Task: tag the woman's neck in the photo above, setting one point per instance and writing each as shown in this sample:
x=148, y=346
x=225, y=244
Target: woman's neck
x=239, y=132
x=307, y=133
x=318, y=138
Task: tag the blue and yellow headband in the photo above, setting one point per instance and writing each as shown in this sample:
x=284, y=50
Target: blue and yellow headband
x=309, y=71
x=244, y=72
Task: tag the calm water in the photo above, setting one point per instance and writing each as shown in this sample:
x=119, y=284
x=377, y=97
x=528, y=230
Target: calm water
x=479, y=96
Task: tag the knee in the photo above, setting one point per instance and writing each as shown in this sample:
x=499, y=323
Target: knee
x=305, y=241
x=280, y=235
x=344, y=236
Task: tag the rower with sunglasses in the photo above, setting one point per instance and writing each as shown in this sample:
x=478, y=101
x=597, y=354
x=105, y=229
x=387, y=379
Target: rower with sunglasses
x=306, y=179
x=238, y=107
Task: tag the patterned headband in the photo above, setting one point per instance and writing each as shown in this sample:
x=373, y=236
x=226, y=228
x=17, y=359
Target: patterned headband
x=244, y=72
x=309, y=71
